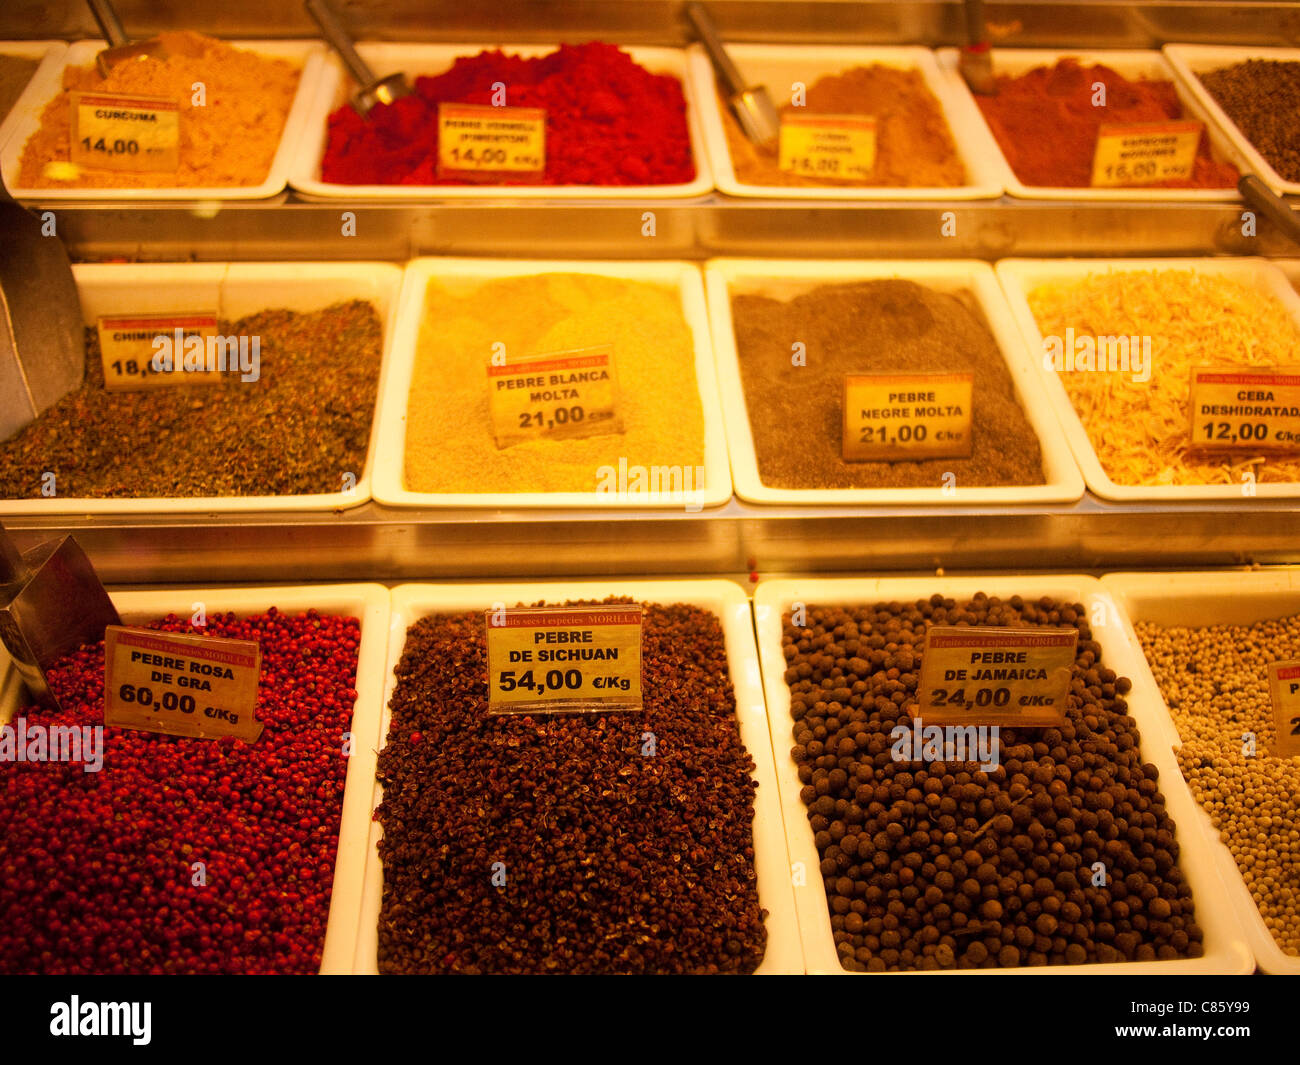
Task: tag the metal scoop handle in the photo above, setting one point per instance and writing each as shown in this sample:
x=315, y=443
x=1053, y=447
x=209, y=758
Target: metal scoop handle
x=109, y=24
x=707, y=29
x=338, y=38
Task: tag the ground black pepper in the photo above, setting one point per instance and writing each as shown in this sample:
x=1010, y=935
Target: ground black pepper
x=611, y=859
x=1262, y=96
x=296, y=430
x=933, y=865
x=889, y=326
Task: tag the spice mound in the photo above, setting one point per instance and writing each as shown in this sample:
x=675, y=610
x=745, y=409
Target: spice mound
x=1262, y=96
x=15, y=73
x=296, y=429
x=181, y=855
x=450, y=445
x=914, y=146
x=1063, y=853
x=1137, y=410
x=565, y=843
x=1046, y=123
x=892, y=326
x=1215, y=682
x=608, y=121
x=228, y=135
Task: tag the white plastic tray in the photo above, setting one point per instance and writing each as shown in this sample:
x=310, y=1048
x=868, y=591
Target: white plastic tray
x=411, y=602
x=234, y=290
x=1226, y=949
x=1020, y=276
x=1231, y=597
x=778, y=66
x=308, y=55
x=49, y=54
x=389, y=483
x=1192, y=60
x=415, y=60
x=369, y=604
x=785, y=278
x=1131, y=64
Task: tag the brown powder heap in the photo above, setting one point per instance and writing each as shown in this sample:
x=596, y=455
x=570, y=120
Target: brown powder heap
x=914, y=147
x=607, y=858
x=892, y=326
x=229, y=140
x=296, y=430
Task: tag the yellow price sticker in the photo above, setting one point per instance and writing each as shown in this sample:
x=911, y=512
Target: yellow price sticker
x=888, y=417
x=1235, y=409
x=1284, y=686
x=180, y=684
x=128, y=345
x=842, y=147
x=560, y=395
x=1144, y=153
x=572, y=659
x=477, y=142
x=995, y=676
x=125, y=132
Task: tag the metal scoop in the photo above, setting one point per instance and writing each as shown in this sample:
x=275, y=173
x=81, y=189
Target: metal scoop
x=976, y=62
x=42, y=342
x=751, y=104
x=51, y=603
x=121, y=48
x=373, y=90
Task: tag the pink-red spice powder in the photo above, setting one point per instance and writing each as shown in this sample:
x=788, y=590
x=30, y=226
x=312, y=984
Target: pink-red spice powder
x=97, y=870
x=608, y=122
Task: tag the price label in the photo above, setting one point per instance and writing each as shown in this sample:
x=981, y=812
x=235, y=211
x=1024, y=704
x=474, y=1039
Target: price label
x=203, y=687
x=1144, y=153
x=828, y=146
x=564, y=659
x=1245, y=410
x=137, y=349
x=482, y=143
x=1284, y=685
x=906, y=416
x=125, y=132
x=563, y=395
x=996, y=676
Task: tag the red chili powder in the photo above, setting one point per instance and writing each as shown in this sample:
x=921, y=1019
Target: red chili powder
x=1046, y=124
x=608, y=122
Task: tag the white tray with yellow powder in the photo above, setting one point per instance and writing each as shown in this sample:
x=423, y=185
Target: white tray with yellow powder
x=1132, y=64
x=307, y=56
x=786, y=278
x=233, y=291
x=369, y=604
x=653, y=313
x=47, y=55
x=1226, y=950
x=783, y=68
x=725, y=600
x=1197, y=600
x=415, y=60
x=1151, y=417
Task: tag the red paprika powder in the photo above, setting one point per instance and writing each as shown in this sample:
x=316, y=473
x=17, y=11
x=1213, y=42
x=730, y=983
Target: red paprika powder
x=1046, y=122
x=608, y=122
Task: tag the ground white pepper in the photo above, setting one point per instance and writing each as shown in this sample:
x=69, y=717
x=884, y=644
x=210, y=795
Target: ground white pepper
x=450, y=445
x=1215, y=683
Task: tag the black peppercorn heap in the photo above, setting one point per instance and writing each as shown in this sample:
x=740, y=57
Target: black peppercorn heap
x=584, y=843
x=933, y=865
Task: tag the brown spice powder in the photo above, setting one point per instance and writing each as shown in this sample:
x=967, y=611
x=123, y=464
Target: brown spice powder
x=890, y=326
x=914, y=147
x=228, y=141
